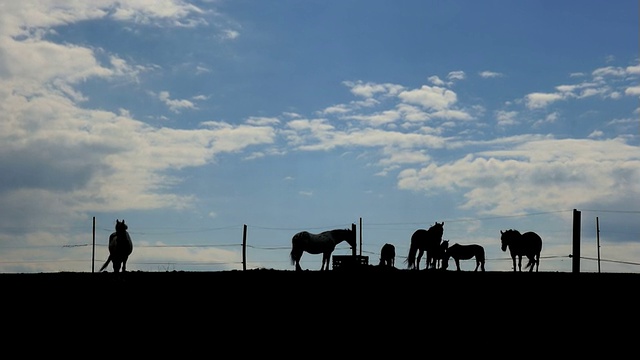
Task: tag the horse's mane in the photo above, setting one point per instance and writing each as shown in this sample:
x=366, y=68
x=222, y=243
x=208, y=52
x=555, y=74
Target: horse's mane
x=342, y=230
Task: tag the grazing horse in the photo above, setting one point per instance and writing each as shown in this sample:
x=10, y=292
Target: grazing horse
x=528, y=244
x=323, y=243
x=120, y=247
x=388, y=255
x=425, y=241
x=464, y=252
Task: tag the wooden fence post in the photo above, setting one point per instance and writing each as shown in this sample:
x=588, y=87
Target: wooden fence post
x=576, y=241
x=93, y=250
x=353, y=230
x=244, y=248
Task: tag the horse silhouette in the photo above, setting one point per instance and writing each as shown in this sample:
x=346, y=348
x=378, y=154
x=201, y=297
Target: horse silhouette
x=425, y=241
x=438, y=255
x=528, y=244
x=388, y=255
x=120, y=247
x=323, y=243
x=464, y=252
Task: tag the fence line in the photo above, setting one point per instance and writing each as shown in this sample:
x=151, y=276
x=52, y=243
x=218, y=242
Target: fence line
x=269, y=248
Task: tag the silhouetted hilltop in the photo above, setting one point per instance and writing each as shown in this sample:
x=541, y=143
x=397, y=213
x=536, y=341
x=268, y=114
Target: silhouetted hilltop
x=365, y=282
x=373, y=300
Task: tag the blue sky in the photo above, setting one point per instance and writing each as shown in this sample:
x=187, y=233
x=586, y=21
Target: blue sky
x=191, y=119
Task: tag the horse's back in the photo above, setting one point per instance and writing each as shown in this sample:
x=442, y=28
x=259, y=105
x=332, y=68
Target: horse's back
x=419, y=234
x=388, y=251
x=313, y=243
x=424, y=237
x=466, y=251
x=121, y=247
x=534, y=239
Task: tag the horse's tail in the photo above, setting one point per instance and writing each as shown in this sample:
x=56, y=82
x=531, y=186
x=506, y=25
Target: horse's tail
x=105, y=263
x=294, y=241
x=411, y=258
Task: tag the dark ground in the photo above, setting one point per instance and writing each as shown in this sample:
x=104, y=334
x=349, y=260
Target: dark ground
x=372, y=311
x=367, y=284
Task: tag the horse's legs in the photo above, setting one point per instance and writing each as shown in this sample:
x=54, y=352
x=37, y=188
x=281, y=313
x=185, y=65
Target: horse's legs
x=418, y=259
x=457, y=264
x=520, y=263
x=325, y=261
x=513, y=258
x=116, y=266
x=533, y=262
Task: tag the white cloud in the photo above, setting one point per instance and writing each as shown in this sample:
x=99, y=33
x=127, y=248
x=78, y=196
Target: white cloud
x=430, y=97
x=608, y=71
x=535, y=175
x=456, y=75
x=596, y=134
x=635, y=69
x=506, y=118
x=370, y=89
x=490, y=74
x=174, y=13
x=539, y=100
x=435, y=80
x=61, y=160
x=230, y=34
x=175, y=105
x=632, y=91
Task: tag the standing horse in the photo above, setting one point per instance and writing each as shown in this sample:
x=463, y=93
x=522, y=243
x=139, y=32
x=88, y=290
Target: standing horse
x=464, y=252
x=425, y=241
x=323, y=243
x=438, y=257
x=120, y=247
x=528, y=244
x=388, y=255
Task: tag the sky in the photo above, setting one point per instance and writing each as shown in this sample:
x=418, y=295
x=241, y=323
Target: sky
x=199, y=121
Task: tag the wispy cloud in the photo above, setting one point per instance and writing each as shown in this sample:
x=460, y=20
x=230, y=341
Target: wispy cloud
x=490, y=74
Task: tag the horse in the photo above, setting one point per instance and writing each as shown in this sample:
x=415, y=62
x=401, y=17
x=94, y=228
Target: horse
x=387, y=255
x=528, y=244
x=323, y=243
x=120, y=247
x=464, y=252
x=425, y=241
x=440, y=253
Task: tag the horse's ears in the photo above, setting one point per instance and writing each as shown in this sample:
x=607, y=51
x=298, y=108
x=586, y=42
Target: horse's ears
x=501, y=232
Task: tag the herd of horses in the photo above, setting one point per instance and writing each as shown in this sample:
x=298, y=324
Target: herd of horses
x=423, y=241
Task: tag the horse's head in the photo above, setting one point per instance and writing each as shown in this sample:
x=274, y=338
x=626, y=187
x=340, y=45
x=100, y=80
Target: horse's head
x=351, y=238
x=121, y=226
x=444, y=245
x=437, y=228
x=507, y=236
